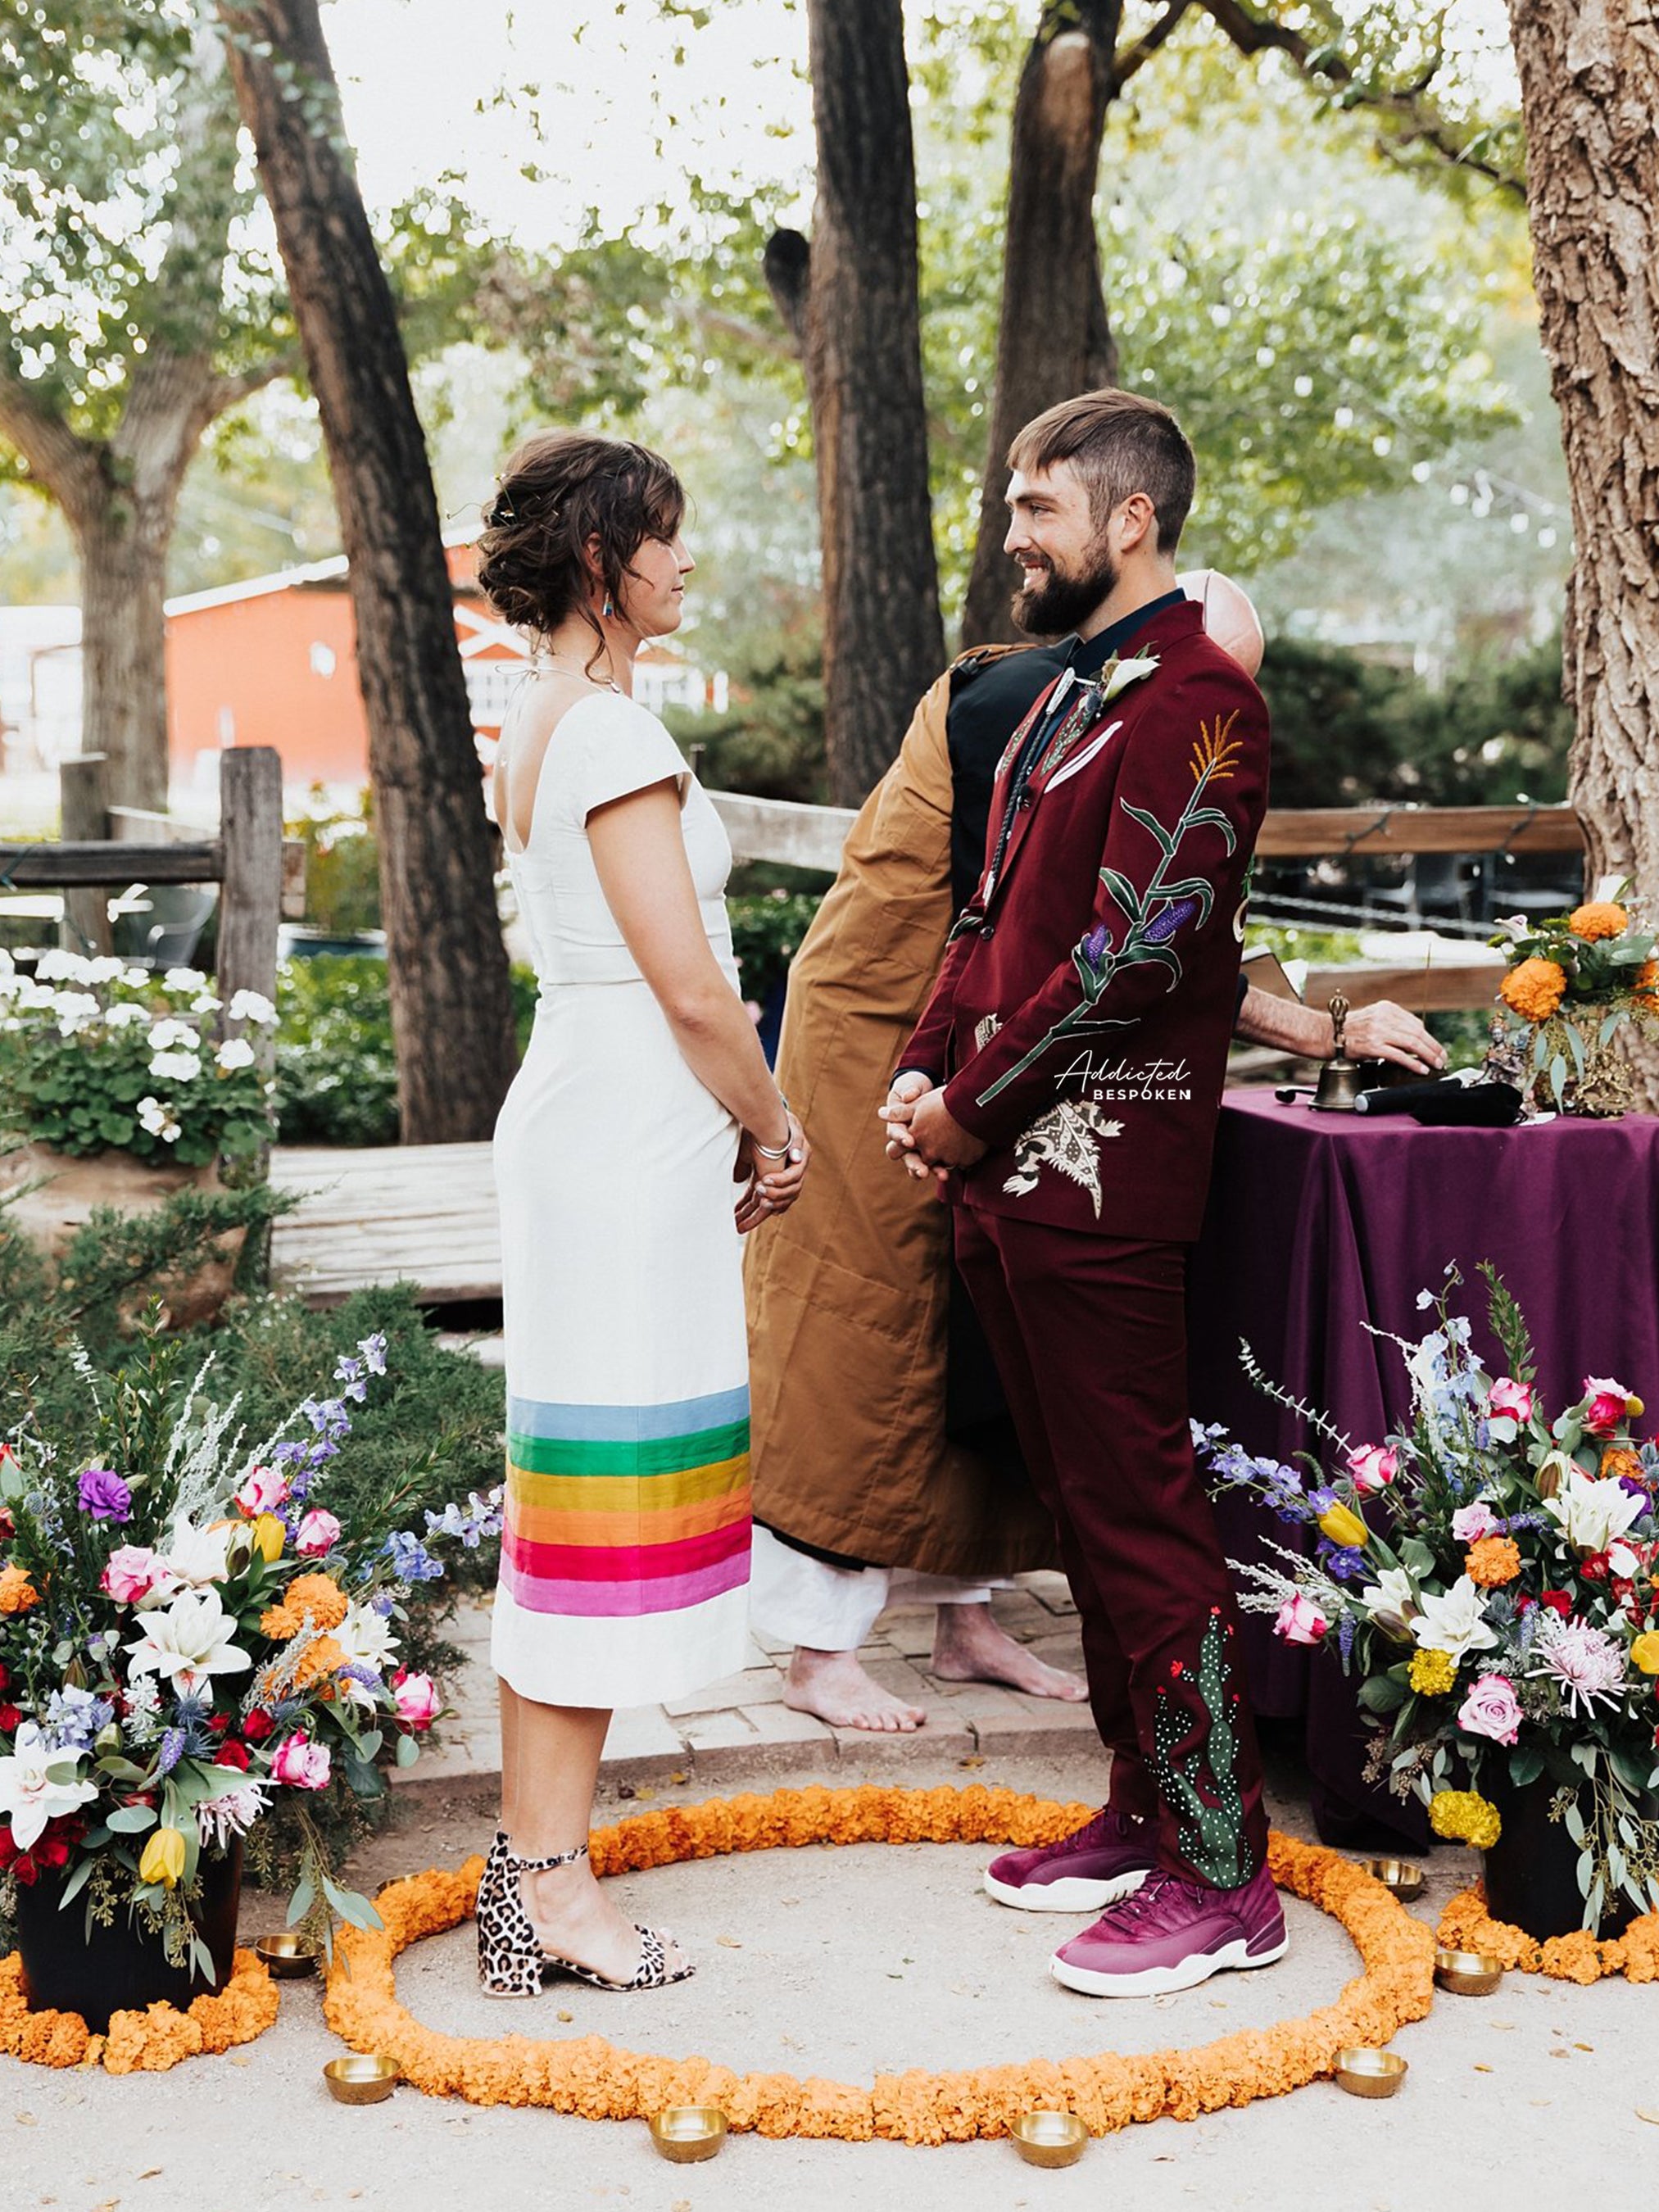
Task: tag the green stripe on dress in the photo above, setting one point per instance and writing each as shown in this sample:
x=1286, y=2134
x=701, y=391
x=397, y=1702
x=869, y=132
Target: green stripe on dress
x=645, y=1455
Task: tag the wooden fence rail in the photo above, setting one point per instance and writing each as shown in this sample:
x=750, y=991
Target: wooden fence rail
x=789, y=834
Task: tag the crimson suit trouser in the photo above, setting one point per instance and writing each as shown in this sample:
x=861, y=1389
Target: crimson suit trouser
x=1089, y=1336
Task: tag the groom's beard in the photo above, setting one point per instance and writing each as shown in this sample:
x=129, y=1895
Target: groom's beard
x=1061, y=599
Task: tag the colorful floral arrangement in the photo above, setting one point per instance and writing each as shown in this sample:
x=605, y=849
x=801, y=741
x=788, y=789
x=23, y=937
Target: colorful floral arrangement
x=588, y=2076
x=148, y=2042
x=1573, y=983
x=187, y=1630
x=95, y=1054
x=1488, y=1576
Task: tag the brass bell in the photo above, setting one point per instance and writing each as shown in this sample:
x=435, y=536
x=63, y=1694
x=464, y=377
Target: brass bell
x=1339, y=1083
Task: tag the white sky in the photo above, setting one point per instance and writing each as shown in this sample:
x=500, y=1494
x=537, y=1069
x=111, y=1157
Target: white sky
x=420, y=81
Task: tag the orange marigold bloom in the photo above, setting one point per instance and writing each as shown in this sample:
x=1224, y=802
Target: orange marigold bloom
x=1533, y=990
x=1598, y=918
x=319, y=1596
x=1615, y=1462
x=1491, y=1561
x=1646, y=986
x=17, y=1592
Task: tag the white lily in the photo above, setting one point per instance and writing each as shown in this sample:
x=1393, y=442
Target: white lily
x=29, y=1797
x=1592, y=1510
x=1394, y=1591
x=1122, y=673
x=1455, y=1622
x=198, y=1555
x=190, y=1641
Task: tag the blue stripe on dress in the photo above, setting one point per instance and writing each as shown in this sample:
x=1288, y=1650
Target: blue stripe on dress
x=533, y=1417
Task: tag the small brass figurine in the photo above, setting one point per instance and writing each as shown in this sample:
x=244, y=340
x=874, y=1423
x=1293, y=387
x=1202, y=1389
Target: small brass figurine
x=1338, y=1079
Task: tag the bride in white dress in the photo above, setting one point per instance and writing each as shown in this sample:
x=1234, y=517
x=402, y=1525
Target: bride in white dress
x=643, y=1099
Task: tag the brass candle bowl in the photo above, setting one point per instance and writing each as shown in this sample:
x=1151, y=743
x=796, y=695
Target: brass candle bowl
x=1403, y=1876
x=1468, y=1973
x=1050, y=2138
x=360, y=2078
x=685, y=2133
x=1365, y=2072
x=287, y=1955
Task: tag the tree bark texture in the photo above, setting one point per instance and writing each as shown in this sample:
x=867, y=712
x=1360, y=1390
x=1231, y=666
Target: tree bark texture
x=451, y=1010
x=1590, y=91
x=884, y=641
x=1054, y=337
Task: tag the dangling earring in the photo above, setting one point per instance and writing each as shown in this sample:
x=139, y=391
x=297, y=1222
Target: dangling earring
x=609, y=609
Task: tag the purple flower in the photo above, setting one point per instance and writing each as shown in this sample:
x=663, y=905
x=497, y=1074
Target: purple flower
x=1096, y=944
x=104, y=1495
x=1164, y=926
x=1628, y=1483
x=172, y=1750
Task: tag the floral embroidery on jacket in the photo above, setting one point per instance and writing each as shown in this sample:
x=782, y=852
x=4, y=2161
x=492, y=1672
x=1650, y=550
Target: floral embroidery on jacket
x=1155, y=915
x=1067, y=1139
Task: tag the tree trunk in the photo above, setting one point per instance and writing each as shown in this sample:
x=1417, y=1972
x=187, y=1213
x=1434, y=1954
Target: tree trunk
x=1590, y=91
x=883, y=641
x=1053, y=339
x=451, y=1010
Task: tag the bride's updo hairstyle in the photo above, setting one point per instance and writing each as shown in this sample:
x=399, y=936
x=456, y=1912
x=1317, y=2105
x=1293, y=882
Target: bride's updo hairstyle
x=561, y=490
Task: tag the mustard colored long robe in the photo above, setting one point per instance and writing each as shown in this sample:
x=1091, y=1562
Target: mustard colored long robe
x=848, y=1292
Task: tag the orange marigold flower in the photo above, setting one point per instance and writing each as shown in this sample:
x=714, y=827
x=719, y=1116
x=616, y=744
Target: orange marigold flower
x=1616, y=1462
x=319, y=1596
x=17, y=1592
x=1533, y=990
x=1598, y=918
x=1491, y=1561
x=1646, y=986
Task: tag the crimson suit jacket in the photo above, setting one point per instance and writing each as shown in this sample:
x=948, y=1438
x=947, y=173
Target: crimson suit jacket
x=1082, y=1011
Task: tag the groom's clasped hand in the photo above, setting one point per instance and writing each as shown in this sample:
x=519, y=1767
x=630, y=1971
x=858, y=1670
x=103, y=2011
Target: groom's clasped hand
x=921, y=1133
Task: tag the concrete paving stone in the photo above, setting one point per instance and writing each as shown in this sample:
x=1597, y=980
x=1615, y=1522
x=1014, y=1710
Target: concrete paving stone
x=910, y=1635
x=716, y=1731
x=642, y=1732
x=781, y=1723
x=897, y=1675
x=1061, y=1732
x=1049, y=1588
x=943, y=1737
x=773, y=1646
x=968, y=1701
x=756, y=1685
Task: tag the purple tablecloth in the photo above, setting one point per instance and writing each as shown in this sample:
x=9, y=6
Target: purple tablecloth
x=1319, y=1222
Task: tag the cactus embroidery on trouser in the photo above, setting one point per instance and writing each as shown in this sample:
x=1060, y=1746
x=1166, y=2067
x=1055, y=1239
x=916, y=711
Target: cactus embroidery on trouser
x=1195, y=1751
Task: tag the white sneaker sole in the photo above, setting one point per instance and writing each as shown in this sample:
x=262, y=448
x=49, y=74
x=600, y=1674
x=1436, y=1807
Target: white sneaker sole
x=1072, y=1895
x=1162, y=1981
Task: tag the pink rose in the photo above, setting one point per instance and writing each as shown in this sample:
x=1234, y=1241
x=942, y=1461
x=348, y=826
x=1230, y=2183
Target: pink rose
x=1608, y=1404
x=263, y=1492
x=1492, y=1708
x=132, y=1573
x=416, y=1697
x=301, y=1764
x=1471, y=1522
x=318, y=1533
x=1373, y=1467
x=1299, y=1621
x=1511, y=1398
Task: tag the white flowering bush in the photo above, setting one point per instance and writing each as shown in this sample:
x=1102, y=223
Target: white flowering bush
x=98, y=1055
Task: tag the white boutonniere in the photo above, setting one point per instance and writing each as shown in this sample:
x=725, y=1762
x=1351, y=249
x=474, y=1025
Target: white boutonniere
x=1120, y=674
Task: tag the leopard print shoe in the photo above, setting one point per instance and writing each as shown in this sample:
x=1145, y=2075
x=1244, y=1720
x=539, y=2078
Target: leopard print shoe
x=511, y=1962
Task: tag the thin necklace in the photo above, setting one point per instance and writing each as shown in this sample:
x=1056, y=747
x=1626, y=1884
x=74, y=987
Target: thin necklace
x=598, y=682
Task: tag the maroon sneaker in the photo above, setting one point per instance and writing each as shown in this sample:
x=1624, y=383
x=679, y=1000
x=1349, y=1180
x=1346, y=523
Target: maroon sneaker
x=1104, y=1860
x=1171, y=1935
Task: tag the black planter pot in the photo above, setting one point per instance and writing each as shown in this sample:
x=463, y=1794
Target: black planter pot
x=121, y=1968
x=1532, y=1870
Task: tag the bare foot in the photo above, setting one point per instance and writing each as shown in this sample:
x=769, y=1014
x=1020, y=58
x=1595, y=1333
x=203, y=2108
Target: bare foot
x=835, y=1687
x=970, y=1646
x=574, y=1919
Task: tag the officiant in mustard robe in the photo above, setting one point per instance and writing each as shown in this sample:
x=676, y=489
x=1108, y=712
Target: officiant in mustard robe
x=856, y=1457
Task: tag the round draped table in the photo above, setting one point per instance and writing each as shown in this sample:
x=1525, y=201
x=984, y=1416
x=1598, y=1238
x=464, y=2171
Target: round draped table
x=1319, y=1224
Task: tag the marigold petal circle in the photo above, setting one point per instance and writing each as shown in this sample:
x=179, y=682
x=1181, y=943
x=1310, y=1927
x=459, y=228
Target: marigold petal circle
x=594, y=2079
x=148, y=2042
x=1466, y=1925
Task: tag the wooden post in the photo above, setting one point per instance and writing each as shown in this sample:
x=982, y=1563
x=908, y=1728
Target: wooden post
x=85, y=820
x=250, y=891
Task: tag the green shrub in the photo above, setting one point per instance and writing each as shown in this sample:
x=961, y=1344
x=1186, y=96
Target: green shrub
x=343, y=863
x=766, y=934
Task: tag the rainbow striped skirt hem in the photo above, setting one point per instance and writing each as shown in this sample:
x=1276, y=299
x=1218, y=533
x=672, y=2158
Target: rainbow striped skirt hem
x=619, y=1512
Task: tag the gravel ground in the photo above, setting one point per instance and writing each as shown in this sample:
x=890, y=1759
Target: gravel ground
x=842, y=1963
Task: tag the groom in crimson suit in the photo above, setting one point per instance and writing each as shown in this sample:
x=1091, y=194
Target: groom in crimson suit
x=1064, y=1083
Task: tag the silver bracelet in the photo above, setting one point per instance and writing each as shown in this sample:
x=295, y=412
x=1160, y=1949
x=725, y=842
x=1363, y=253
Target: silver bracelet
x=768, y=1151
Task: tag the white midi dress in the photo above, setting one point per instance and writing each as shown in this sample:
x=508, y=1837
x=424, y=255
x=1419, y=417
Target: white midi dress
x=625, y=1553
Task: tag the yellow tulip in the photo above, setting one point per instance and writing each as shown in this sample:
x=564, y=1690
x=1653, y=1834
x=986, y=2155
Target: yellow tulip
x=1343, y=1527
x=163, y=1859
x=1645, y=1652
x=268, y=1535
